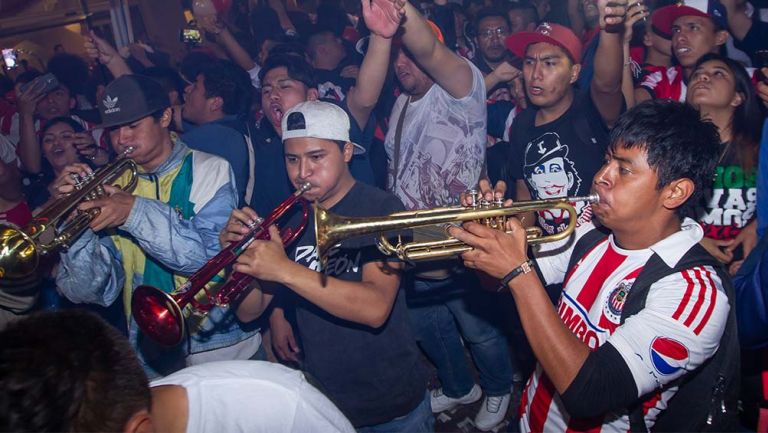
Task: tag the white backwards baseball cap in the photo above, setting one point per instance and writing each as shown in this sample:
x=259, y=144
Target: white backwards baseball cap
x=317, y=119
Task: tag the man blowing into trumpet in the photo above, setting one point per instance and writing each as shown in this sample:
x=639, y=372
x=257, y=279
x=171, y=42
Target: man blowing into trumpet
x=350, y=312
x=162, y=231
x=643, y=337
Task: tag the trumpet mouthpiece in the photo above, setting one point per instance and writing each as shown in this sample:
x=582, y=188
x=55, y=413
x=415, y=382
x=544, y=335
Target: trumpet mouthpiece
x=592, y=198
x=304, y=187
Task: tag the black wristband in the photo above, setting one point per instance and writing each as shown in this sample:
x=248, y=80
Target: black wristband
x=524, y=268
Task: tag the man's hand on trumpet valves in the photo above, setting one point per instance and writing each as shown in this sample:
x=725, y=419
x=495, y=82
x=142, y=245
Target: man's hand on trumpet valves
x=266, y=260
x=65, y=182
x=487, y=192
x=238, y=225
x=114, y=209
x=494, y=252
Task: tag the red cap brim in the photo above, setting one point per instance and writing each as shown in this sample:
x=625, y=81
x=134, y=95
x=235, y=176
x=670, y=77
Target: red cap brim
x=517, y=43
x=663, y=18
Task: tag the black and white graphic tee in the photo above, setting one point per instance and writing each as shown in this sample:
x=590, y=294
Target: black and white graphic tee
x=559, y=158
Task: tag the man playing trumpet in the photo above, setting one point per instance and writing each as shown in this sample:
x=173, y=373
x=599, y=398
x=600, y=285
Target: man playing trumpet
x=350, y=312
x=643, y=336
x=165, y=229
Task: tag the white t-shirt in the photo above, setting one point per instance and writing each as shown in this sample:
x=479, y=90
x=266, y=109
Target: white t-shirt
x=442, y=147
x=679, y=328
x=254, y=396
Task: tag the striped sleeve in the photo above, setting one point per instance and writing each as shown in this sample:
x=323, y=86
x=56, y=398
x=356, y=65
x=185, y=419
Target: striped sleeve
x=679, y=328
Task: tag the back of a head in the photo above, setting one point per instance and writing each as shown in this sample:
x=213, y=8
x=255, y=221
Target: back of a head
x=677, y=142
x=169, y=78
x=225, y=79
x=527, y=9
x=68, y=371
x=71, y=70
x=297, y=68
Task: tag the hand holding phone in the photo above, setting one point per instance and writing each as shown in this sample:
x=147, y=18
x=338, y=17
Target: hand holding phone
x=10, y=58
x=191, y=36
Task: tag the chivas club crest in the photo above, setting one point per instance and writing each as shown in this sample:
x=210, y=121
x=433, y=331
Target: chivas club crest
x=615, y=303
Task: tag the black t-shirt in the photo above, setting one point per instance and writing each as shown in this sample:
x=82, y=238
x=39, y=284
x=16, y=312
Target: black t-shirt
x=372, y=375
x=271, y=183
x=559, y=158
x=730, y=202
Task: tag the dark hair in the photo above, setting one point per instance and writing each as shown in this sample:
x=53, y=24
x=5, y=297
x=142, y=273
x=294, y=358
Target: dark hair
x=298, y=68
x=68, y=371
x=71, y=70
x=530, y=11
x=747, y=121
x=677, y=143
x=290, y=47
x=487, y=13
x=192, y=64
x=62, y=119
x=169, y=78
x=231, y=83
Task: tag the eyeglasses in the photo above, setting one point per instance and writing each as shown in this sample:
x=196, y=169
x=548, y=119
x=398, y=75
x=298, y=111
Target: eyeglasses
x=499, y=32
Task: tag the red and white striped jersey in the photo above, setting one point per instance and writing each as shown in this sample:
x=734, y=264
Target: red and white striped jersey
x=670, y=83
x=679, y=328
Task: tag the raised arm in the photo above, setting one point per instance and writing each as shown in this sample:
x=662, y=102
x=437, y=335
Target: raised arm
x=605, y=88
x=449, y=71
x=101, y=51
x=383, y=19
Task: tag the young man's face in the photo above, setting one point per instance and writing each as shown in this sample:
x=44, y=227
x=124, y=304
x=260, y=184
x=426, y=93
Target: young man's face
x=626, y=185
x=57, y=103
x=692, y=37
x=320, y=162
x=412, y=79
x=195, y=101
x=713, y=87
x=548, y=74
x=280, y=93
x=491, y=32
x=145, y=135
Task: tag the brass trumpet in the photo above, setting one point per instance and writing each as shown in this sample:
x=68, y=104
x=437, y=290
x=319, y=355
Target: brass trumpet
x=21, y=248
x=330, y=229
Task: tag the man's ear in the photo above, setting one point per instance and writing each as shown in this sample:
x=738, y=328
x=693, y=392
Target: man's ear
x=166, y=118
x=348, y=151
x=575, y=71
x=677, y=193
x=216, y=103
x=140, y=422
x=312, y=94
x=721, y=37
x=647, y=41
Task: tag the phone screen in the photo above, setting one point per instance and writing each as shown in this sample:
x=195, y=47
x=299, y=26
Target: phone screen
x=9, y=58
x=190, y=35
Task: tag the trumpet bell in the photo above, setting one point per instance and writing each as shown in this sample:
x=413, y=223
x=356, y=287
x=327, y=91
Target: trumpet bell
x=158, y=315
x=19, y=255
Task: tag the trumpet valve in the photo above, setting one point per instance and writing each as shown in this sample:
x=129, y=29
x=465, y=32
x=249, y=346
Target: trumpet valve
x=473, y=196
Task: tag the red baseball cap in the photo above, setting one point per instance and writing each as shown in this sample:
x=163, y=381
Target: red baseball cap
x=554, y=34
x=663, y=18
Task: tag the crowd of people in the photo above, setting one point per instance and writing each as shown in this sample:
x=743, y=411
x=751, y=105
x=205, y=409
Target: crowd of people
x=643, y=318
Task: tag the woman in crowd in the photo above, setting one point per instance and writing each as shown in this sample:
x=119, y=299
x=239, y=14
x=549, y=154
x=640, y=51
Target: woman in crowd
x=724, y=94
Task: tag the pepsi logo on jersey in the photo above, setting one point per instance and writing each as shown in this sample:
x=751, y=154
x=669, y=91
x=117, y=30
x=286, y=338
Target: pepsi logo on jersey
x=668, y=355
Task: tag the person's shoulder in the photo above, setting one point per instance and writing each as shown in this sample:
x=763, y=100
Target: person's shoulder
x=209, y=163
x=372, y=201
